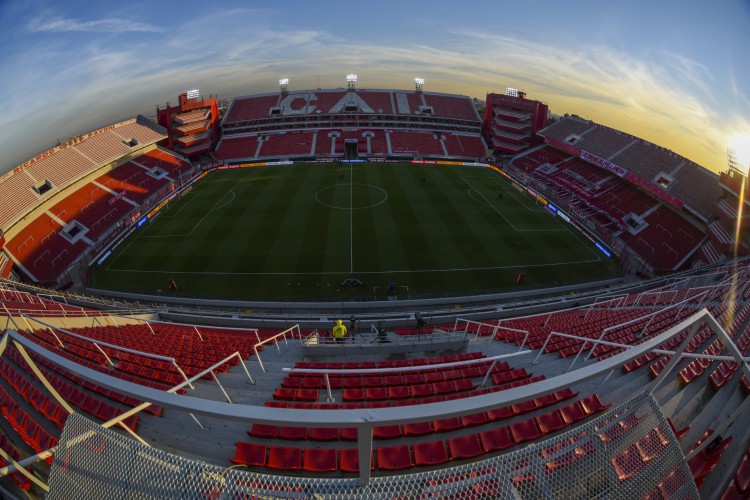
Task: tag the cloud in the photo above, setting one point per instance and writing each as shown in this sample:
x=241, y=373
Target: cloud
x=110, y=25
x=666, y=99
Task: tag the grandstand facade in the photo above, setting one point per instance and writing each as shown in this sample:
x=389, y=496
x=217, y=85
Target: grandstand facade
x=64, y=206
x=393, y=124
x=657, y=211
x=630, y=390
x=512, y=122
x=192, y=125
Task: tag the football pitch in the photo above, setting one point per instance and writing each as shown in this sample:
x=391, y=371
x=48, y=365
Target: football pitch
x=297, y=232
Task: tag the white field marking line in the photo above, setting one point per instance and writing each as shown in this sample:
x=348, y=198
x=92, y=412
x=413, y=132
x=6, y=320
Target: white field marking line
x=173, y=215
x=326, y=273
x=505, y=218
x=355, y=208
x=564, y=226
x=214, y=208
x=351, y=217
x=507, y=189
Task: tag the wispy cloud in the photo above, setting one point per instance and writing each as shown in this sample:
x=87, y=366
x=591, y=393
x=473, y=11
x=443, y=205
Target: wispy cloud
x=109, y=25
x=669, y=99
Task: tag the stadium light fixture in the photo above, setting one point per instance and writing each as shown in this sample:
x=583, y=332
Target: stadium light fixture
x=351, y=81
x=739, y=146
x=193, y=94
x=418, y=84
x=284, y=81
x=510, y=91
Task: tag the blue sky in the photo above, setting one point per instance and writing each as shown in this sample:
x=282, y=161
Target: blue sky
x=674, y=72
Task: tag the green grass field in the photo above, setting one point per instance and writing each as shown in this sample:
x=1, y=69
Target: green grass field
x=296, y=232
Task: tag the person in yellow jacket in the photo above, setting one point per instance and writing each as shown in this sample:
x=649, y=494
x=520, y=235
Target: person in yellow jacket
x=339, y=331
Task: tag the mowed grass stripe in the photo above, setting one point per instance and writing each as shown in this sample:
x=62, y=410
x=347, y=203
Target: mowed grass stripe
x=378, y=242
x=312, y=256
x=412, y=234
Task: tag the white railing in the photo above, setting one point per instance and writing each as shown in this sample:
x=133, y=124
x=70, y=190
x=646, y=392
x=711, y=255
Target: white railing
x=366, y=420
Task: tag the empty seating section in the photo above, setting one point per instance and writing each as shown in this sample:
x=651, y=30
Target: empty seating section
x=92, y=206
x=666, y=241
x=464, y=146
x=429, y=382
x=699, y=188
x=62, y=167
x=237, y=148
x=41, y=250
x=410, y=143
x=178, y=341
x=295, y=143
x=68, y=163
x=604, y=142
x=157, y=158
x=16, y=302
x=16, y=197
x=379, y=102
x=103, y=148
x=134, y=180
x=561, y=129
x=251, y=108
x=647, y=160
x=16, y=374
x=451, y=106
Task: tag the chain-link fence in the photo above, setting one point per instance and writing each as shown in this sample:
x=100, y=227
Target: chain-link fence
x=627, y=452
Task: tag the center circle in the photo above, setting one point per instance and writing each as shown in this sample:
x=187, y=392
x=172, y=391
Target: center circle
x=362, y=196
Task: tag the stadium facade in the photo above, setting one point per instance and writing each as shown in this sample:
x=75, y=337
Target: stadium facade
x=637, y=388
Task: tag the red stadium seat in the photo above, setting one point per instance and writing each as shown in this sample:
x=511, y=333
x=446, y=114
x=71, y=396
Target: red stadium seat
x=465, y=447
x=394, y=458
x=264, y=431
x=319, y=460
x=283, y=458
x=250, y=454
x=350, y=460
x=417, y=429
x=324, y=434
x=549, y=422
x=525, y=430
x=431, y=453
x=496, y=439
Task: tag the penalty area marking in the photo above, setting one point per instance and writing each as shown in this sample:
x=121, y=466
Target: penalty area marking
x=487, y=202
x=326, y=273
x=143, y=235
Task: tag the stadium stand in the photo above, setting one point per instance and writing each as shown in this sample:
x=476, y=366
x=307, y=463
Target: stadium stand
x=418, y=380
x=69, y=161
x=328, y=117
x=50, y=239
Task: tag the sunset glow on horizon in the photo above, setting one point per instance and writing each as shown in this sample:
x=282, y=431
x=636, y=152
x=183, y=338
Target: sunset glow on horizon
x=642, y=68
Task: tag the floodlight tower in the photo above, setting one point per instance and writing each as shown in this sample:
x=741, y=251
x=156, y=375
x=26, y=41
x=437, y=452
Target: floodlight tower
x=193, y=94
x=351, y=82
x=418, y=84
x=284, y=85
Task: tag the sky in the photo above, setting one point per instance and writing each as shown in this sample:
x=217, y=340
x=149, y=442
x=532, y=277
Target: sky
x=676, y=73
